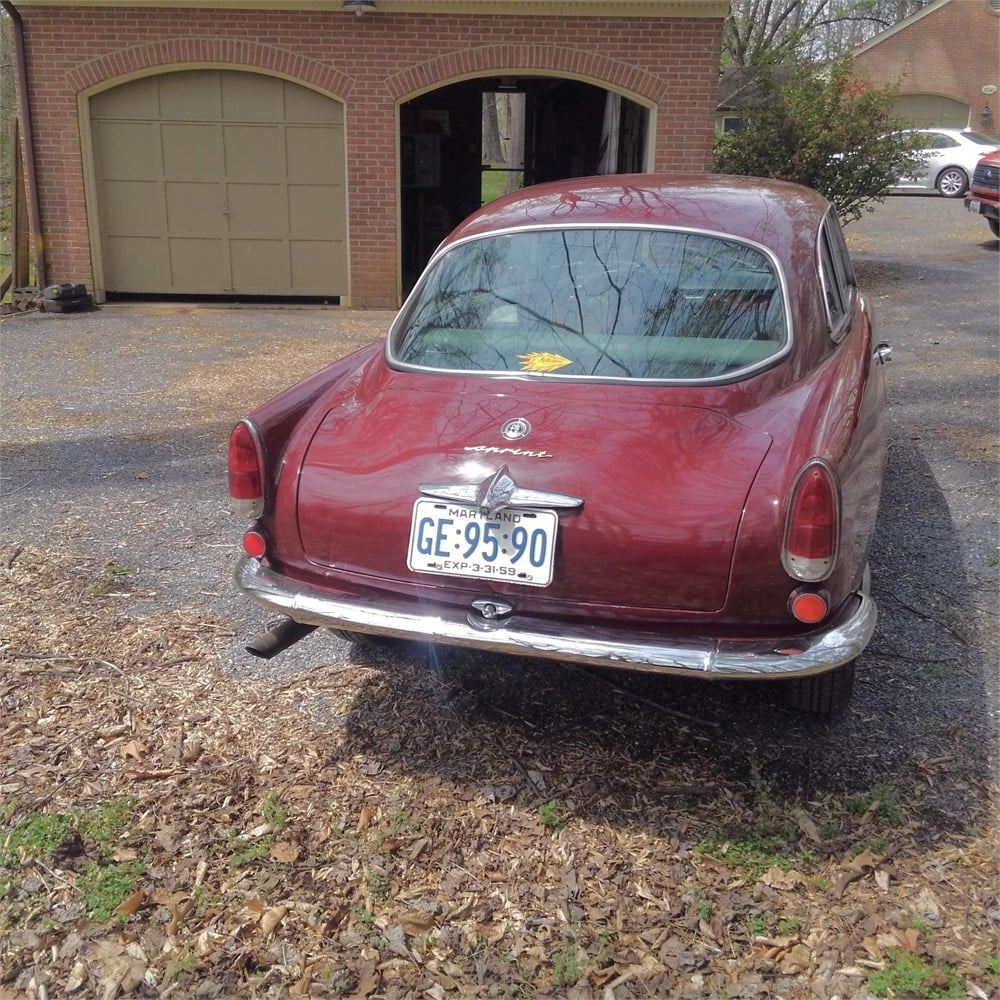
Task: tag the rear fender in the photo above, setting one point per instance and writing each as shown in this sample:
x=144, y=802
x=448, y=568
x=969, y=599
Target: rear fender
x=835, y=414
x=276, y=420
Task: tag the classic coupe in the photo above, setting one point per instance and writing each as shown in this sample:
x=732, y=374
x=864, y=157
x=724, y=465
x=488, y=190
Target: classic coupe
x=631, y=421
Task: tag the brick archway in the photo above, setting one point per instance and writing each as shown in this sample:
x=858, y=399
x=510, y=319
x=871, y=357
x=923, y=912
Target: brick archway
x=187, y=53
x=535, y=59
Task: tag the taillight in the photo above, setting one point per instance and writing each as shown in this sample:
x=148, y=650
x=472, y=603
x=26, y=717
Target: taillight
x=246, y=479
x=812, y=531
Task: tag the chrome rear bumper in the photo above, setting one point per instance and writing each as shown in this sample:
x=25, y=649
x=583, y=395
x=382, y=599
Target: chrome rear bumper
x=631, y=649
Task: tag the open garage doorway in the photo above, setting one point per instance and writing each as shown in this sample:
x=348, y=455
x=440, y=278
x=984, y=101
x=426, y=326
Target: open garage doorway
x=467, y=143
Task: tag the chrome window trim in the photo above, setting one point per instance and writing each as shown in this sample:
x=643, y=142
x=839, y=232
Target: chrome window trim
x=846, y=288
x=738, y=375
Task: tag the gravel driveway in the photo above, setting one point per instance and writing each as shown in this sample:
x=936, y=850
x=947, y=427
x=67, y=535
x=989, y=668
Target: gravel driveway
x=115, y=422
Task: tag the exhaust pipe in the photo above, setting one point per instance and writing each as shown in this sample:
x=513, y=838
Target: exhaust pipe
x=279, y=638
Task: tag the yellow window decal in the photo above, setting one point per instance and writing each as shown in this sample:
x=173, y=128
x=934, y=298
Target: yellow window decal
x=542, y=361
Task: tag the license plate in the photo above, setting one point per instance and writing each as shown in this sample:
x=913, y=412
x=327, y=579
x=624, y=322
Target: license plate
x=974, y=206
x=516, y=546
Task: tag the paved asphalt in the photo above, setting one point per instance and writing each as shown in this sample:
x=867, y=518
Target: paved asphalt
x=113, y=436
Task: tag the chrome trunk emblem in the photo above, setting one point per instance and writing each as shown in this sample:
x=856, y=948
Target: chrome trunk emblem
x=497, y=492
x=515, y=429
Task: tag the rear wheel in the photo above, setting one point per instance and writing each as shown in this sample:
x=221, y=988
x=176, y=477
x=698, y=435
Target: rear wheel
x=952, y=182
x=994, y=225
x=822, y=694
x=364, y=639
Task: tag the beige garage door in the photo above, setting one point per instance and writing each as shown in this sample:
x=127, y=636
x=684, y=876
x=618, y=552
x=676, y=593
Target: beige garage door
x=219, y=182
x=926, y=110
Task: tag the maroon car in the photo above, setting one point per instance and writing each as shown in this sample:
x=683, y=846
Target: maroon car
x=628, y=421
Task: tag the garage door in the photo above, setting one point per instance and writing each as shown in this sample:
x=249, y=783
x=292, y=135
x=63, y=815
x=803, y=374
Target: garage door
x=219, y=182
x=926, y=110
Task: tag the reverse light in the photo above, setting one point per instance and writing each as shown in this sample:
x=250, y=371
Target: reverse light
x=246, y=480
x=812, y=529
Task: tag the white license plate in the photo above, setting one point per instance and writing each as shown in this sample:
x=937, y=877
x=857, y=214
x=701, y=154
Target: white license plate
x=974, y=205
x=516, y=546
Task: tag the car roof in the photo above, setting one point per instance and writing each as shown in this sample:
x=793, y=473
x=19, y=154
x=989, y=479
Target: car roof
x=775, y=214
x=944, y=130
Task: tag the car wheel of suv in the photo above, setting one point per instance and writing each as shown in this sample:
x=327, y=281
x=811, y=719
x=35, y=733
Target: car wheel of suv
x=822, y=694
x=952, y=182
x=994, y=225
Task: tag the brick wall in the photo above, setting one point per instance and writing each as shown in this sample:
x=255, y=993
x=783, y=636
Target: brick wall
x=370, y=63
x=953, y=51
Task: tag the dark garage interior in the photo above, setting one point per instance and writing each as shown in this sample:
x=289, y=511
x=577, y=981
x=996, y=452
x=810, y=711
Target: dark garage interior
x=466, y=143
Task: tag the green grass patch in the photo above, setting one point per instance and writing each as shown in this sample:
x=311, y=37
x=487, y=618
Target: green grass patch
x=548, y=815
x=274, y=811
x=37, y=837
x=100, y=830
x=881, y=802
x=908, y=975
x=756, y=854
x=769, y=841
x=568, y=963
x=113, y=571
x=103, y=888
x=494, y=182
x=107, y=822
x=39, y=834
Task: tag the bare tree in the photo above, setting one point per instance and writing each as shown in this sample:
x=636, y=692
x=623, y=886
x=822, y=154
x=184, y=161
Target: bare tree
x=492, y=152
x=771, y=32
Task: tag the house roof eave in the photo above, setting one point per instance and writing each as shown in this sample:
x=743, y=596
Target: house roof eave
x=535, y=8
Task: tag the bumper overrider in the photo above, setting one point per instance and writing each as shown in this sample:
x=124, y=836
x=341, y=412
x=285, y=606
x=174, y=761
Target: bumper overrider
x=837, y=643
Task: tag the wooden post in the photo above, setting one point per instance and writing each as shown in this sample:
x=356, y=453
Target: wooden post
x=19, y=262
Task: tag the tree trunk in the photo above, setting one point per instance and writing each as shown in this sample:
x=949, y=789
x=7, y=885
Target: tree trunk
x=492, y=151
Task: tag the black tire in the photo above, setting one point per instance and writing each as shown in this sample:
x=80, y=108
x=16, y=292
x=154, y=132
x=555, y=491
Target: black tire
x=364, y=639
x=994, y=225
x=952, y=182
x=822, y=694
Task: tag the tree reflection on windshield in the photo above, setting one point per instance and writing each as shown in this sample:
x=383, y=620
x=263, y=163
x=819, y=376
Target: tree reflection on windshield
x=632, y=303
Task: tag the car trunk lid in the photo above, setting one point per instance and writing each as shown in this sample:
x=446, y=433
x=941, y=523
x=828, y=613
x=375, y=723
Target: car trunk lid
x=663, y=485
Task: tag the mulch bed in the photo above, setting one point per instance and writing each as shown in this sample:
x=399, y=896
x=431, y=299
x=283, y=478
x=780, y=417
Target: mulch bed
x=427, y=832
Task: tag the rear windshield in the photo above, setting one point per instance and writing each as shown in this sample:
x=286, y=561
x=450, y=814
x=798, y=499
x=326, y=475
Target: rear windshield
x=979, y=139
x=609, y=303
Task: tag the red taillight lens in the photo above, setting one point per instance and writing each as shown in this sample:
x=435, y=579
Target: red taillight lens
x=246, y=484
x=812, y=531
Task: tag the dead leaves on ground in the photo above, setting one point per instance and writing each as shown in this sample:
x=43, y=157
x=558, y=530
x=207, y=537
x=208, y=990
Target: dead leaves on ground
x=366, y=834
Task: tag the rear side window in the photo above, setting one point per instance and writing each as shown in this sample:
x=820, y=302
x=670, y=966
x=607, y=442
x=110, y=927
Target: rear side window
x=837, y=274
x=608, y=303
